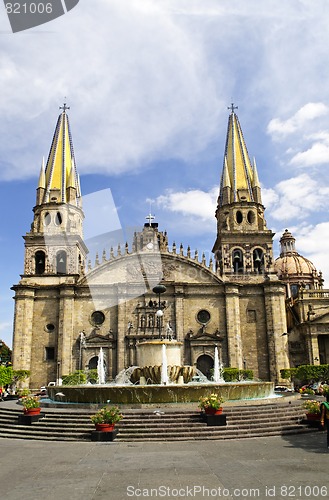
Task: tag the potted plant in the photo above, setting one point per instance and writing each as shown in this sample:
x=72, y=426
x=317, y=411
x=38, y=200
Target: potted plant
x=313, y=409
x=31, y=405
x=306, y=391
x=212, y=404
x=106, y=418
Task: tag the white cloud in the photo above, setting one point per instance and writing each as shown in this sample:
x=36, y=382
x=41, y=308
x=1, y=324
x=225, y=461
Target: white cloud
x=280, y=128
x=312, y=241
x=195, y=203
x=297, y=197
x=138, y=87
x=270, y=197
x=317, y=154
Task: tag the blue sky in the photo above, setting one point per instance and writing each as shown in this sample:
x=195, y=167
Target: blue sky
x=148, y=84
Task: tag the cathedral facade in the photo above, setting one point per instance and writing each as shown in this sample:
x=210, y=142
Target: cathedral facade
x=66, y=311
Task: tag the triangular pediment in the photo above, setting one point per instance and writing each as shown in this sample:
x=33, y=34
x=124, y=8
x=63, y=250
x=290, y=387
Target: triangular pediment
x=204, y=336
x=96, y=338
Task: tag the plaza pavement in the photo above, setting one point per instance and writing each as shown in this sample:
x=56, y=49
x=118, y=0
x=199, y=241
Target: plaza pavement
x=271, y=467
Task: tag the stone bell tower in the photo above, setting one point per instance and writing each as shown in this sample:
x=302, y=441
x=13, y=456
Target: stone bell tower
x=254, y=297
x=244, y=243
x=54, y=260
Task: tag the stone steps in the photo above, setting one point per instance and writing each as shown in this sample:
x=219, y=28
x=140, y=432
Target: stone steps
x=160, y=425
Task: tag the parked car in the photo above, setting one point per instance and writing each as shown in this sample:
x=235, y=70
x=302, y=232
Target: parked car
x=282, y=388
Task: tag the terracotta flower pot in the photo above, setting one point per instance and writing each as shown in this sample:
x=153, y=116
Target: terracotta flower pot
x=213, y=411
x=104, y=427
x=32, y=411
x=313, y=416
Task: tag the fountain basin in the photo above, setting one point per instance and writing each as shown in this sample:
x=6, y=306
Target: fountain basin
x=148, y=394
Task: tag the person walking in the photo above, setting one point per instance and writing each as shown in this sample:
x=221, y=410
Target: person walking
x=325, y=416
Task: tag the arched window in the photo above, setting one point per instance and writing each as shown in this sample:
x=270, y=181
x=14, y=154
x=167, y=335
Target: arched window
x=239, y=217
x=250, y=217
x=40, y=262
x=58, y=219
x=61, y=262
x=47, y=219
x=151, y=321
x=258, y=260
x=237, y=261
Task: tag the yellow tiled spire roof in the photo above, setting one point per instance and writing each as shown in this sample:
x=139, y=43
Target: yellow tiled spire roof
x=61, y=171
x=237, y=165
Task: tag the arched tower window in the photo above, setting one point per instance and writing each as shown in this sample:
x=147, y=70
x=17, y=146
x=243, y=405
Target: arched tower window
x=237, y=261
x=258, y=260
x=58, y=219
x=40, y=262
x=61, y=259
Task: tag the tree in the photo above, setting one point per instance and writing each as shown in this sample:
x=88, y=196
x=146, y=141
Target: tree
x=5, y=353
x=6, y=375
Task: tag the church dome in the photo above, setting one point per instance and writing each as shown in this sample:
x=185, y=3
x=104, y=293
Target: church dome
x=293, y=267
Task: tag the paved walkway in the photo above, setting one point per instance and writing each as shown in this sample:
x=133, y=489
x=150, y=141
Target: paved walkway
x=273, y=467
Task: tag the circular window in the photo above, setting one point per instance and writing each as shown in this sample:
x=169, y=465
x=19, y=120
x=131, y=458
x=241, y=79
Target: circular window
x=203, y=316
x=97, y=318
x=50, y=327
x=239, y=217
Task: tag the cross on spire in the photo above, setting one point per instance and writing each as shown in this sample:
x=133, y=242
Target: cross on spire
x=64, y=107
x=232, y=107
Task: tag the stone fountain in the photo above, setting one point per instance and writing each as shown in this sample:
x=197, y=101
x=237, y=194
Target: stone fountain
x=147, y=383
x=159, y=362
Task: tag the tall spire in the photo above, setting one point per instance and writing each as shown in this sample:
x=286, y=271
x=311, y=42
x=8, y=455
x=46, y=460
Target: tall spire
x=244, y=243
x=237, y=164
x=61, y=172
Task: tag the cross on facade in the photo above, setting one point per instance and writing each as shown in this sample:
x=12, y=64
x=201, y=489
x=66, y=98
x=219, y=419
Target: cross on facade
x=150, y=217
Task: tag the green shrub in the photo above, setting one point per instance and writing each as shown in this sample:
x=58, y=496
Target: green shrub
x=304, y=374
x=76, y=378
x=92, y=376
x=288, y=373
x=234, y=374
x=314, y=373
x=6, y=375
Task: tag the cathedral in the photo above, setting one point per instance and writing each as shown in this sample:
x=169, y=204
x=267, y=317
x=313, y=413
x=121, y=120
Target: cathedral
x=262, y=314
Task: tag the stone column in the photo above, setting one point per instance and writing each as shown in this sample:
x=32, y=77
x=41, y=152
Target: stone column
x=314, y=349
x=66, y=331
x=179, y=312
x=122, y=328
x=23, y=329
x=276, y=325
x=179, y=318
x=233, y=326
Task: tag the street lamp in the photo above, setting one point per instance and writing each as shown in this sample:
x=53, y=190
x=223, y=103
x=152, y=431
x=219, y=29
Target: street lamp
x=159, y=289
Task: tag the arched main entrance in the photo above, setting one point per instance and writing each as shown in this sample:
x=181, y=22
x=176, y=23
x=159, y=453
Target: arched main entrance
x=92, y=365
x=205, y=363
